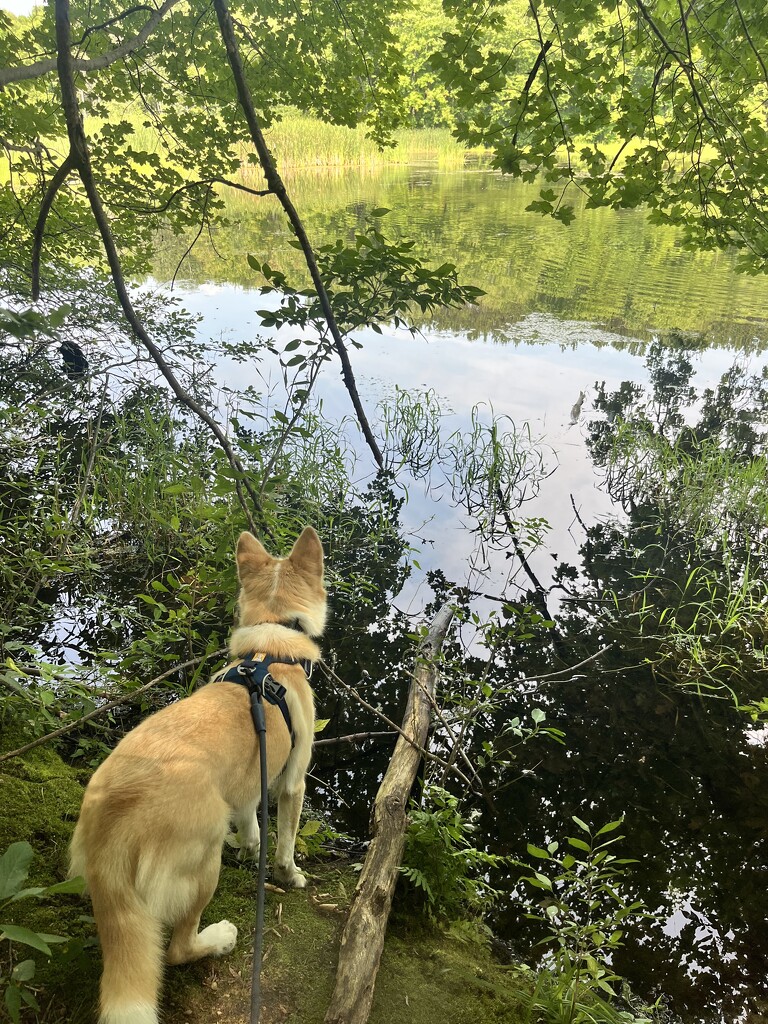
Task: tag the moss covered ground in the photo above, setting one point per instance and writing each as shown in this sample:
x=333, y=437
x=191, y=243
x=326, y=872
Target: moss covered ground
x=425, y=976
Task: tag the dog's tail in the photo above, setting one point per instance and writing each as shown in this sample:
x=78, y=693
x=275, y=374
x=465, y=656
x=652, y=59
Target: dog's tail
x=132, y=951
x=131, y=938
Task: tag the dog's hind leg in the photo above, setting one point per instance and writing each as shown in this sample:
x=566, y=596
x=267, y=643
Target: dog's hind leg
x=187, y=943
x=289, y=804
x=248, y=834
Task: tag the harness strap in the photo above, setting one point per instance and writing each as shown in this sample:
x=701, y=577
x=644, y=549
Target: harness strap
x=253, y=673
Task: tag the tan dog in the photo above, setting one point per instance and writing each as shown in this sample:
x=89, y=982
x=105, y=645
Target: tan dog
x=156, y=812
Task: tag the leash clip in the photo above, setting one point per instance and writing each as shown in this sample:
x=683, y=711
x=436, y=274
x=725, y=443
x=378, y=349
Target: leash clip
x=258, y=685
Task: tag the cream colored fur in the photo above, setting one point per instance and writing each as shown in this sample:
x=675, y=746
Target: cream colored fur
x=156, y=812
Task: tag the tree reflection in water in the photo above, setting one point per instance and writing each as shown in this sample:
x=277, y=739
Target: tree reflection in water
x=659, y=727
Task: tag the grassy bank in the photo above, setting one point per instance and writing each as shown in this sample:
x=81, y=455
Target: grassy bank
x=425, y=974
x=300, y=141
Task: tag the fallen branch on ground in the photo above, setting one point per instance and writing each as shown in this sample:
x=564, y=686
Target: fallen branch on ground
x=363, y=938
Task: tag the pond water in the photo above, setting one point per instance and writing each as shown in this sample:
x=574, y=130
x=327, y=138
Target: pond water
x=566, y=308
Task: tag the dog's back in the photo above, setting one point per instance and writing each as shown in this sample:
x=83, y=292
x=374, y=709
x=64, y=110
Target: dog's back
x=156, y=812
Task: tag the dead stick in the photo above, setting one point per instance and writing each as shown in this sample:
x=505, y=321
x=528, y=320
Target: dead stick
x=363, y=938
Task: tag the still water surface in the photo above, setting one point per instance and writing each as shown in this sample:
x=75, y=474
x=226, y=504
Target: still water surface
x=565, y=308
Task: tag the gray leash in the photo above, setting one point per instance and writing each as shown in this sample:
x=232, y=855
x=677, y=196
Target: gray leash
x=257, y=711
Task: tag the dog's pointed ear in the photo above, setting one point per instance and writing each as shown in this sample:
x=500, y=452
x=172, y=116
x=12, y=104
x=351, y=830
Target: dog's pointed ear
x=307, y=553
x=251, y=555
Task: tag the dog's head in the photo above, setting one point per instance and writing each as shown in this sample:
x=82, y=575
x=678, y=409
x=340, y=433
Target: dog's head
x=282, y=589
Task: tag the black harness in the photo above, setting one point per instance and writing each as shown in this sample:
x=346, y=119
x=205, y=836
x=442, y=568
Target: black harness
x=257, y=679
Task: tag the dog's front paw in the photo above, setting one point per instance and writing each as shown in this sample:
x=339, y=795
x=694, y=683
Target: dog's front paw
x=290, y=875
x=219, y=938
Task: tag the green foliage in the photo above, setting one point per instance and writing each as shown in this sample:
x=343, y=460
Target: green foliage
x=660, y=104
x=16, y=983
x=374, y=281
x=585, y=914
x=315, y=836
x=443, y=867
x=547, y=1004
x=696, y=500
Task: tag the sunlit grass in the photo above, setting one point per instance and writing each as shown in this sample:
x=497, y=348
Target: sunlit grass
x=300, y=141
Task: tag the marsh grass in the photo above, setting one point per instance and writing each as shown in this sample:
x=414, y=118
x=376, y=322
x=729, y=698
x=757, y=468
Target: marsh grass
x=299, y=141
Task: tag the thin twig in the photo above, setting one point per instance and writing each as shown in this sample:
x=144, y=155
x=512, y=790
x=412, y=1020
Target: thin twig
x=127, y=698
x=571, y=668
x=334, y=679
x=356, y=737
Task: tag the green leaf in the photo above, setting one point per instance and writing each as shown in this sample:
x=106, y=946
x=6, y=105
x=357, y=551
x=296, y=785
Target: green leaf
x=581, y=824
x=14, y=867
x=538, y=715
x=24, y=893
x=29, y=938
x=24, y=971
x=536, y=851
x=540, y=881
x=579, y=844
x=320, y=724
x=13, y=1002
x=610, y=826
x=73, y=885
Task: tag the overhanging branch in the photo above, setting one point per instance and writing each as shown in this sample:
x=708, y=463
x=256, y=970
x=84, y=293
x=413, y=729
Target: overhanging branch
x=24, y=72
x=276, y=185
x=79, y=157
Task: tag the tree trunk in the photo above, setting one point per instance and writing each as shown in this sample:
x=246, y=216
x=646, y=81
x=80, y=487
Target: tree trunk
x=363, y=938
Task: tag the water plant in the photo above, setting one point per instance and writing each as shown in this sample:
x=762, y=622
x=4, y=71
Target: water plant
x=585, y=915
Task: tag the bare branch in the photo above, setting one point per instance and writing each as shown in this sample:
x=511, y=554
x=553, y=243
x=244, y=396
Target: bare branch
x=525, y=94
x=43, y=67
x=125, y=699
x=57, y=181
x=428, y=755
x=276, y=185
